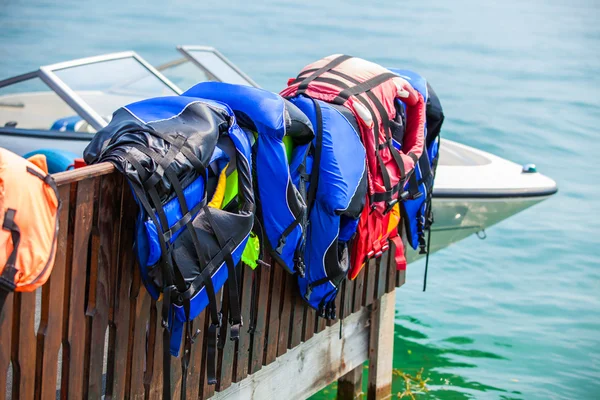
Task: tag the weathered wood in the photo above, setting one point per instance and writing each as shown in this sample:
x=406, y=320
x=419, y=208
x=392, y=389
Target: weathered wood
x=298, y=306
x=153, y=377
x=370, y=281
x=308, y=325
x=103, y=260
x=242, y=354
x=49, y=334
x=381, y=348
x=24, y=354
x=258, y=329
x=176, y=373
x=320, y=324
x=225, y=362
x=285, y=316
x=140, y=302
x=119, y=323
x=277, y=283
x=207, y=390
x=347, y=299
x=73, y=384
x=6, y=314
x=195, y=369
x=359, y=282
x=309, y=367
x=382, y=269
x=80, y=174
x=350, y=385
x=391, y=269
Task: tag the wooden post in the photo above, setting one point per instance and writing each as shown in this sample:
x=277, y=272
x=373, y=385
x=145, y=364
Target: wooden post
x=381, y=347
x=350, y=385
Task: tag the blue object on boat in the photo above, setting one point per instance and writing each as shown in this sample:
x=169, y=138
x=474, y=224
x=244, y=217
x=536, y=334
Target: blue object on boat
x=57, y=160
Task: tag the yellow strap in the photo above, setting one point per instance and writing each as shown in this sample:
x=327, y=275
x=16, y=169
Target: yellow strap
x=217, y=199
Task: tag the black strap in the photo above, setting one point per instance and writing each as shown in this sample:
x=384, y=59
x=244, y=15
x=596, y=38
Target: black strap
x=363, y=87
x=327, y=67
x=7, y=278
x=316, y=165
x=427, y=259
x=235, y=313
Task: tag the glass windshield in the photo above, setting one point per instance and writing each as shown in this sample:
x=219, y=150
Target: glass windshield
x=33, y=105
x=216, y=66
x=108, y=85
x=185, y=74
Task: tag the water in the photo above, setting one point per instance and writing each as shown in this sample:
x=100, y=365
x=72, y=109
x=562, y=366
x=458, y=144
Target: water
x=516, y=316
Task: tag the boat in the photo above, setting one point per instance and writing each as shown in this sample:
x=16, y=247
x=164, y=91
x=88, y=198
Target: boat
x=57, y=108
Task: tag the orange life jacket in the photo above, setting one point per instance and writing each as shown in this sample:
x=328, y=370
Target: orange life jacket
x=29, y=206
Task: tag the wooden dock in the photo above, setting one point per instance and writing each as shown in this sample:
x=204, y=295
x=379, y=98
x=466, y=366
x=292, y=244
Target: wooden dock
x=94, y=331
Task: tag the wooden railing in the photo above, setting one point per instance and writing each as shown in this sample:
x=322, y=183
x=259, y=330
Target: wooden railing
x=93, y=330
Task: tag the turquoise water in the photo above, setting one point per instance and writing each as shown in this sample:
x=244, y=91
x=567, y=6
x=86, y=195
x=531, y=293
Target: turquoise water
x=515, y=316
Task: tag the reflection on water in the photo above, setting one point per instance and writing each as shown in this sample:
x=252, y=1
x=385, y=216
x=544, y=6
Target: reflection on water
x=442, y=362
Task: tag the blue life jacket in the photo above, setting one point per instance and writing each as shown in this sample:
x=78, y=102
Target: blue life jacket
x=336, y=196
x=172, y=150
x=281, y=198
x=416, y=208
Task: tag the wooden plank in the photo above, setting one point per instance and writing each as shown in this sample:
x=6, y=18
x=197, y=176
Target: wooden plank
x=381, y=348
x=225, y=356
x=258, y=329
x=298, y=307
x=74, y=346
x=285, y=317
x=391, y=269
x=140, y=302
x=85, y=173
x=176, y=372
x=24, y=352
x=308, y=325
x=207, y=390
x=320, y=324
x=119, y=323
x=307, y=368
x=382, y=269
x=348, y=298
x=350, y=385
x=49, y=334
x=370, y=277
x=359, y=282
x=103, y=260
x=6, y=322
x=242, y=355
x=153, y=376
x=277, y=283
x=195, y=368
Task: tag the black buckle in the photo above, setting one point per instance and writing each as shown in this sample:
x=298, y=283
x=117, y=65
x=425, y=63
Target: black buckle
x=390, y=205
x=234, y=330
x=280, y=245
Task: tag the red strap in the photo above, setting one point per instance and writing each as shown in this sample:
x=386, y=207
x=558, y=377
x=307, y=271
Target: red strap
x=399, y=257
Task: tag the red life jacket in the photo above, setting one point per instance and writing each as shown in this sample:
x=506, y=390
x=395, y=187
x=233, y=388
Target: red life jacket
x=370, y=91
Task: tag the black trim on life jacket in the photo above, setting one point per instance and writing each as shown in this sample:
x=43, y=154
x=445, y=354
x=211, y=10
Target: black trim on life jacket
x=327, y=67
x=7, y=278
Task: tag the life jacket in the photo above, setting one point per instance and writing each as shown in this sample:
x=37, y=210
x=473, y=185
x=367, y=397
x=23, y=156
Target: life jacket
x=281, y=199
x=29, y=207
x=173, y=151
x=417, y=212
x=335, y=199
x=370, y=91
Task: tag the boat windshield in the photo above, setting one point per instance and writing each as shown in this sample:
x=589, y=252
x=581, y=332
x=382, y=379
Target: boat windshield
x=202, y=64
x=31, y=104
x=107, y=83
x=79, y=95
